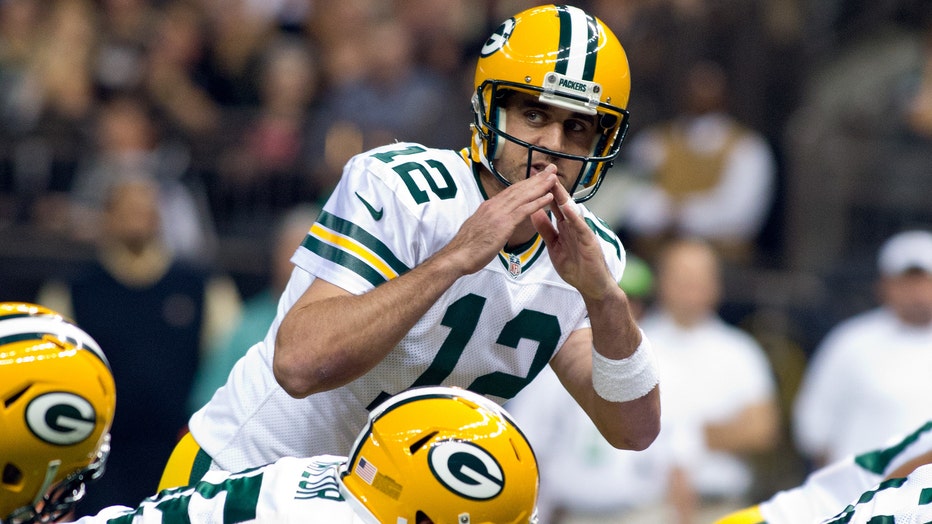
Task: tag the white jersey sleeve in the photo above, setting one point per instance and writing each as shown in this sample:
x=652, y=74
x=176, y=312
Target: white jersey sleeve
x=895, y=501
x=828, y=490
x=291, y=490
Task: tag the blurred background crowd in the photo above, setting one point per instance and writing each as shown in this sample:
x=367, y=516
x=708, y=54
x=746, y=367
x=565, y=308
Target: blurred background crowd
x=166, y=146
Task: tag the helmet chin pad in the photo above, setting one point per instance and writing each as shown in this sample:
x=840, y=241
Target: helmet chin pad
x=500, y=121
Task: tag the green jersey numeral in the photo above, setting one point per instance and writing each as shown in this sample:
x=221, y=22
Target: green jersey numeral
x=462, y=317
x=406, y=169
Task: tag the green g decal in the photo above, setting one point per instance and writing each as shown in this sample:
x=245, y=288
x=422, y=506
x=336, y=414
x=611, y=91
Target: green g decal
x=466, y=469
x=498, y=38
x=60, y=418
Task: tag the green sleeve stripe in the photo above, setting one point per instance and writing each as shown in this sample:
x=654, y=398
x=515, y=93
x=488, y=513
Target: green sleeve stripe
x=879, y=460
x=605, y=235
x=925, y=496
x=345, y=259
x=361, y=236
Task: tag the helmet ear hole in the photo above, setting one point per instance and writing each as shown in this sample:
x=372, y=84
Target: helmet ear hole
x=420, y=442
x=12, y=475
x=9, y=401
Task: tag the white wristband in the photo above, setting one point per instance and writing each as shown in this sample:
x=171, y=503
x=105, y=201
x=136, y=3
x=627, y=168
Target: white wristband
x=626, y=379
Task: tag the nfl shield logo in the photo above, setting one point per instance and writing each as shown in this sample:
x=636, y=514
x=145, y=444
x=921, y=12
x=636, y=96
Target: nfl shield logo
x=514, y=265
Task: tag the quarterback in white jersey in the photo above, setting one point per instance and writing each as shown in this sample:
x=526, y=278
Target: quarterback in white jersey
x=473, y=269
x=855, y=480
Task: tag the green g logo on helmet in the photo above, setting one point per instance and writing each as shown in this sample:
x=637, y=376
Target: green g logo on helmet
x=59, y=418
x=466, y=469
x=497, y=40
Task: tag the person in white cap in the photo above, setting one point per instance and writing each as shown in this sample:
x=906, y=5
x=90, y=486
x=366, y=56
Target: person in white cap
x=869, y=378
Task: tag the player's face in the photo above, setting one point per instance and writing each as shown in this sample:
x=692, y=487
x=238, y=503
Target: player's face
x=910, y=296
x=548, y=127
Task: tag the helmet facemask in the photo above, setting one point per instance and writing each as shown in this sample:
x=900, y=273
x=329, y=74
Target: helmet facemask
x=567, y=59
x=489, y=113
x=60, y=500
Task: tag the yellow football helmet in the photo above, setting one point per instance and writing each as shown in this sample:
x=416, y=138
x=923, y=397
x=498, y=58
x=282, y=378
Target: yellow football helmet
x=445, y=453
x=57, y=400
x=568, y=59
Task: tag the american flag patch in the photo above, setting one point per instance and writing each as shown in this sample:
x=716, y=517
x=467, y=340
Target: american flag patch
x=365, y=470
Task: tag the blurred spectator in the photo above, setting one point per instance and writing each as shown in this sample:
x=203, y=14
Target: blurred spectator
x=174, y=79
x=337, y=27
x=868, y=379
x=719, y=396
x=126, y=30
x=169, y=310
x=48, y=98
x=258, y=311
x=584, y=478
x=395, y=99
x=129, y=141
x=707, y=175
x=237, y=34
x=859, y=147
x=443, y=30
x=64, y=61
x=263, y=170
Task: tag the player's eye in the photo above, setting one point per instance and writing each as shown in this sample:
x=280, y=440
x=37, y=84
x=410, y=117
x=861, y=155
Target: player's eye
x=534, y=116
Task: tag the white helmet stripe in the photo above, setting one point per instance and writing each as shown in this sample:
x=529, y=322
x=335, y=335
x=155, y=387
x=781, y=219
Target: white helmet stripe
x=575, y=49
x=11, y=327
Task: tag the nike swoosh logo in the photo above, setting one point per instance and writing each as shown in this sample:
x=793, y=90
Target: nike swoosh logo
x=376, y=213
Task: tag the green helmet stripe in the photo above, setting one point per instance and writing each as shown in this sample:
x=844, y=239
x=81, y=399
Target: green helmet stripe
x=577, y=30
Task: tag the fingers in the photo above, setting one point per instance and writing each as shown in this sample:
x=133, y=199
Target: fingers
x=544, y=227
x=535, y=192
x=568, y=208
x=563, y=204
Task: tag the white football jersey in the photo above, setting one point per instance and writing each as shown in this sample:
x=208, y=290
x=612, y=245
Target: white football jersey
x=492, y=332
x=828, y=490
x=893, y=501
x=291, y=490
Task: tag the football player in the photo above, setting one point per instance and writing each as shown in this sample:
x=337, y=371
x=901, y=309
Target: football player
x=58, y=399
x=894, y=475
x=429, y=455
x=473, y=268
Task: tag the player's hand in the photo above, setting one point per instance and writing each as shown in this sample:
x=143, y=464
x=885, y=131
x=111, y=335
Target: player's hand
x=573, y=247
x=488, y=230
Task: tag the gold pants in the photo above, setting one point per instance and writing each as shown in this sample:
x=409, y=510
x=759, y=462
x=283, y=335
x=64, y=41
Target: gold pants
x=187, y=464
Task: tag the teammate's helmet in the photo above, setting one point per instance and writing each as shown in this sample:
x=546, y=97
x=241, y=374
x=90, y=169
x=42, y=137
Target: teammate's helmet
x=568, y=59
x=445, y=453
x=57, y=401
